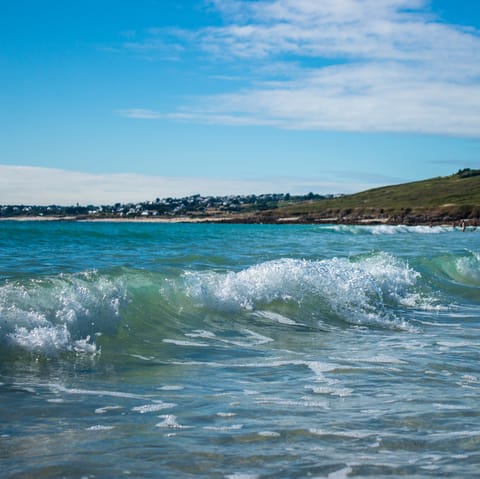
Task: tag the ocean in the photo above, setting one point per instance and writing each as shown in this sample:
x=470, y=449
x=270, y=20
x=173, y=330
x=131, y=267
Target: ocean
x=238, y=351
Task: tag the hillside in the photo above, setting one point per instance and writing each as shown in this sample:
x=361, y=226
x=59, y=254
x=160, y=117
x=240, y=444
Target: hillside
x=437, y=200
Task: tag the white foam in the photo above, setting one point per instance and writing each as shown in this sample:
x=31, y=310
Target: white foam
x=386, y=229
x=143, y=358
x=304, y=403
x=103, y=410
x=84, y=346
x=345, y=434
x=269, y=434
x=358, y=291
x=99, y=427
x=48, y=339
x=170, y=421
x=172, y=387
x=341, y=392
x=157, y=406
x=452, y=407
x=58, y=388
x=59, y=314
x=179, y=342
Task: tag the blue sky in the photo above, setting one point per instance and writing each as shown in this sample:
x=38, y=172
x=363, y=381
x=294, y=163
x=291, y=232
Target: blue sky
x=108, y=100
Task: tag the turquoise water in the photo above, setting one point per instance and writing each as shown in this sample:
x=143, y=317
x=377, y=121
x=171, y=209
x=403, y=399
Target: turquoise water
x=238, y=351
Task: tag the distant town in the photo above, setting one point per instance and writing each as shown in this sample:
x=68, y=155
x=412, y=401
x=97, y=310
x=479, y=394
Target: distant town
x=193, y=206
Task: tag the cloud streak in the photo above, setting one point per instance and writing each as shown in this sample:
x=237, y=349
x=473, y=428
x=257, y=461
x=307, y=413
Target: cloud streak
x=47, y=186
x=344, y=65
x=139, y=114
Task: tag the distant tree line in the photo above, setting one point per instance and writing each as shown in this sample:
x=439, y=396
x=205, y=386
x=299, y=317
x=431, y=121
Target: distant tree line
x=467, y=173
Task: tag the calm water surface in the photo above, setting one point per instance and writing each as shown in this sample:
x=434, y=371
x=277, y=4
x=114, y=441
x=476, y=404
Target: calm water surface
x=238, y=351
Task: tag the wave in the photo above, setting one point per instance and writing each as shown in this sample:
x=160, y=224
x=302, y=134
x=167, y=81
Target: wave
x=386, y=229
x=465, y=269
x=363, y=291
x=61, y=313
x=85, y=312
x=461, y=270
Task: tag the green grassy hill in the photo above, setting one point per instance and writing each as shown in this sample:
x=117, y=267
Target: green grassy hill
x=437, y=200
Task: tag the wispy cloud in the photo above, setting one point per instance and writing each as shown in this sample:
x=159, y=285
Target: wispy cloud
x=348, y=65
x=45, y=186
x=139, y=113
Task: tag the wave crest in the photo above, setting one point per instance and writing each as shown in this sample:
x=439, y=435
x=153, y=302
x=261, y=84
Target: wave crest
x=59, y=314
x=382, y=229
x=362, y=291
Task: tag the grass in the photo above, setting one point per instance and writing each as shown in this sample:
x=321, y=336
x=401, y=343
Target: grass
x=450, y=198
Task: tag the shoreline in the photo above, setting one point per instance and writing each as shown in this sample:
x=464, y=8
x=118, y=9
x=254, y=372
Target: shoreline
x=178, y=219
x=234, y=219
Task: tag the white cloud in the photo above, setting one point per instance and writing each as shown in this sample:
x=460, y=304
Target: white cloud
x=356, y=65
x=374, y=98
x=140, y=113
x=45, y=186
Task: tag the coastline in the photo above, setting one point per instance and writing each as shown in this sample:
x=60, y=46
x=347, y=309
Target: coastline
x=178, y=219
x=246, y=219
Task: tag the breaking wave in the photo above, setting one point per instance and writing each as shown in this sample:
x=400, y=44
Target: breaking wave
x=386, y=229
x=463, y=269
x=61, y=313
x=366, y=291
x=83, y=312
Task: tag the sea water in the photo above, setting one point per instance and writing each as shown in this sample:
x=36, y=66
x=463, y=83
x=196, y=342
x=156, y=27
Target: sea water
x=238, y=351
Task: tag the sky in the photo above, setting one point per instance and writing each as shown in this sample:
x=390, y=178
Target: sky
x=105, y=101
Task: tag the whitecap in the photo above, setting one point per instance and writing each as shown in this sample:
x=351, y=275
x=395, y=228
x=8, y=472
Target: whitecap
x=450, y=406
x=143, y=358
x=179, y=342
x=172, y=387
x=358, y=291
x=170, y=421
x=269, y=434
x=99, y=427
x=344, y=434
x=341, y=392
x=157, y=406
x=61, y=313
x=103, y=410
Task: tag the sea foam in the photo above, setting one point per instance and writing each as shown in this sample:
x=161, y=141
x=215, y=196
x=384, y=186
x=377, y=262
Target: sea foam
x=359, y=291
x=59, y=314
